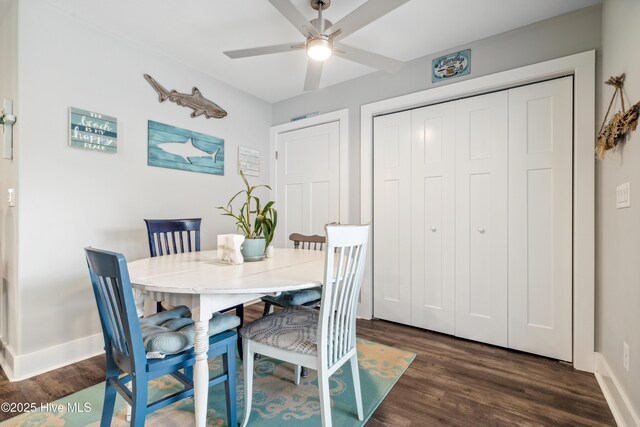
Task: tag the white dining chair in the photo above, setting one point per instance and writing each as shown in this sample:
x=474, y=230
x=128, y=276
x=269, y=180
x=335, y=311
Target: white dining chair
x=323, y=339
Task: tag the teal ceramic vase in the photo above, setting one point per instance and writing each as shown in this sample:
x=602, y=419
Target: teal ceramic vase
x=253, y=249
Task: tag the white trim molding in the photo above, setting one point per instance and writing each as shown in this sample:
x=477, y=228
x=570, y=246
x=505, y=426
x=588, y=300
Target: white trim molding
x=19, y=367
x=7, y=360
x=619, y=403
x=340, y=116
x=582, y=67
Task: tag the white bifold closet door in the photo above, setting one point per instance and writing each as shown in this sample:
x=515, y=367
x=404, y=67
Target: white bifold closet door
x=392, y=223
x=540, y=218
x=473, y=218
x=433, y=217
x=481, y=218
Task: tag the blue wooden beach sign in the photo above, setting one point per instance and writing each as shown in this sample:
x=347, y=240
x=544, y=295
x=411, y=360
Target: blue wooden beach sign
x=92, y=131
x=176, y=148
x=453, y=65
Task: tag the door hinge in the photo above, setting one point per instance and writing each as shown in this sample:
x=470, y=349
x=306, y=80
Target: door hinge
x=276, y=154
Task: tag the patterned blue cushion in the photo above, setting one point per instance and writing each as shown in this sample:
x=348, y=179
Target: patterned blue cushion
x=289, y=298
x=173, y=331
x=293, y=328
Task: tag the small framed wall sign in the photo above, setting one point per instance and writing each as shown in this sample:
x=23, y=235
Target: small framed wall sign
x=92, y=131
x=449, y=66
x=249, y=161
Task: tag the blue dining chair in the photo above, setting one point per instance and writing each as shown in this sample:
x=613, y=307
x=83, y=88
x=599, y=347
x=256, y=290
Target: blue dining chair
x=126, y=339
x=173, y=236
x=168, y=236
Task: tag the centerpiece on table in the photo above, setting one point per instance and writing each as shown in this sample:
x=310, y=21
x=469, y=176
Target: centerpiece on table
x=257, y=223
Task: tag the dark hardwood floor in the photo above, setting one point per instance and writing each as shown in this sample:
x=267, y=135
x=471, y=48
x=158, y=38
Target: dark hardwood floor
x=451, y=382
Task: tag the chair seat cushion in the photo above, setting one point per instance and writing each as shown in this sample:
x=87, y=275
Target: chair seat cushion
x=293, y=328
x=301, y=297
x=173, y=331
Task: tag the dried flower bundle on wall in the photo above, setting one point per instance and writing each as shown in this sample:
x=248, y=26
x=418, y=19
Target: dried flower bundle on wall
x=621, y=123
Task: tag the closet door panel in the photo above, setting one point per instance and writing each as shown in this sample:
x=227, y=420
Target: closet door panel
x=479, y=247
x=391, y=217
x=540, y=218
x=481, y=218
x=432, y=213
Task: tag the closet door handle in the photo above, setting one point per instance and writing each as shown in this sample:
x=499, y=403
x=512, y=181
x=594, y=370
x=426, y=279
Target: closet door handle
x=481, y=230
x=434, y=228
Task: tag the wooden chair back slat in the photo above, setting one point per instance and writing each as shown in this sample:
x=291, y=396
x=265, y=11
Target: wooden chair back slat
x=344, y=270
x=114, y=307
x=167, y=236
x=301, y=241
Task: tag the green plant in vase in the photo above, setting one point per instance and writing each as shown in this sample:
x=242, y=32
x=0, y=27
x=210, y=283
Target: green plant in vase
x=268, y=219
x=256, y=222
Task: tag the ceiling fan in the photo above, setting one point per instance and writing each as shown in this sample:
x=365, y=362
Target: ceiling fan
x=321, y=37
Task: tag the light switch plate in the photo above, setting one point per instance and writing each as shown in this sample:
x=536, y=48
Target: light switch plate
x=623, y=196
x=11, y=197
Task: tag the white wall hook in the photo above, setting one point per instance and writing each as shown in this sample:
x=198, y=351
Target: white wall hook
x=8, y=119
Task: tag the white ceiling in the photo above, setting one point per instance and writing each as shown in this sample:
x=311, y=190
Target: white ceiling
x=198, y=31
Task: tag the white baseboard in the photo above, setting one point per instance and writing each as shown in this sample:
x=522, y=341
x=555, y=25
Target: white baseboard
x=6, y=360
x=19, y=367
x=619, y=403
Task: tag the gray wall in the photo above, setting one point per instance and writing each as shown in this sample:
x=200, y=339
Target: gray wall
x=71, y=198
x=8, y=179
x=618, y=230
x=560, y=36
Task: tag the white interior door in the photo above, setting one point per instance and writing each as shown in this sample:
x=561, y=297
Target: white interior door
x=481, y=218
x=392, y=217
x=433, y=217
x=307, y=180
x=540, y=218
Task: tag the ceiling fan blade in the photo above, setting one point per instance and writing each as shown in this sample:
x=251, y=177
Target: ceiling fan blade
x=314, y=71
x=370, y=59
x=263, y=50
x=364, y=15
x=293, y=15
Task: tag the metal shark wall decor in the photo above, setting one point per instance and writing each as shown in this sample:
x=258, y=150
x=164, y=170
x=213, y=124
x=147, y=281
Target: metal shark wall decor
x=176, y=148
x=199, y=104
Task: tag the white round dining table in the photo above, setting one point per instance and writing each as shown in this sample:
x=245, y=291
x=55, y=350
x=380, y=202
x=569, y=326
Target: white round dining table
x=207, y=285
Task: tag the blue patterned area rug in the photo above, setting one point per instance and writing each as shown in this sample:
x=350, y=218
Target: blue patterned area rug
x=277, y=401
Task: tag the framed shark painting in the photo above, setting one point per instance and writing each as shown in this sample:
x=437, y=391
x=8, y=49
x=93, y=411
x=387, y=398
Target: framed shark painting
x=176, y=148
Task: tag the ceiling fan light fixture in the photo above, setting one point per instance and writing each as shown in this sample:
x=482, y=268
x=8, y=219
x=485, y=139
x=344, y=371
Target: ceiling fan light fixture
x=319, y=49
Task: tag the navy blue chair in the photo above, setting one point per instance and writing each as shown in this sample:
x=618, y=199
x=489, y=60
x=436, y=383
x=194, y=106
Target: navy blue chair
x=125, y=348
x=173, y=236
x=168, y=236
